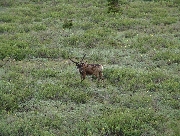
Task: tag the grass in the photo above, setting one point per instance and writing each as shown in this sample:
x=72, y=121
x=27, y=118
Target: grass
x=137, y=42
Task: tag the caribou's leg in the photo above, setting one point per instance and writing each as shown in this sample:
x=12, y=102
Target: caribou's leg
x=101, y=75
x=83, y=76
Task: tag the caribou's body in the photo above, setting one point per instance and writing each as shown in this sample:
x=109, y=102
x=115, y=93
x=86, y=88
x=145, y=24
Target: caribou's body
x=89, y=69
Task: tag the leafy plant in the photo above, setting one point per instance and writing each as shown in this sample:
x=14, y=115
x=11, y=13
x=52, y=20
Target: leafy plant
x=68, y=24
x=113, y=6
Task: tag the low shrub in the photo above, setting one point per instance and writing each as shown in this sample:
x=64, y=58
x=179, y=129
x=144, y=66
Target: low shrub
x=7, y=3
x=131, y=80
x=149, y=42
x=29, y=125
x=9, y=102
x=12, y=96
x=168, y=56
x=45, y=52
x=4, y=28
x=166, y=20
x=14, y=52
x=6, y=18
x=113, y=6
x=39, y=27
x=122, y=122
x=79, y=97
x=44, y=73
x=67, y=24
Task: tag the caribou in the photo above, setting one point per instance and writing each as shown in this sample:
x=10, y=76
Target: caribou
x=86, y=69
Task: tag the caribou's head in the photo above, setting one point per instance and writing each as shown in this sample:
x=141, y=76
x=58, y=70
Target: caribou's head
x=79, y=64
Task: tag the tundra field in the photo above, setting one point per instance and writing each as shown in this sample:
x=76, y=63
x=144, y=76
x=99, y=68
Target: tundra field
x=136, y=41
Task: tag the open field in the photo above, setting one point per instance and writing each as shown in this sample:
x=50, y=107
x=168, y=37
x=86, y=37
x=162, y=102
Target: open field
x=40, y=88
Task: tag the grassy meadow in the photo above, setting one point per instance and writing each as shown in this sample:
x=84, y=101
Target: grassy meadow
x=137, y=42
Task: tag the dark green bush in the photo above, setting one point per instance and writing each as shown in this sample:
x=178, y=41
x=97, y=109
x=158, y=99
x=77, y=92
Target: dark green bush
x=113, y=5
x=17, y=52
x=6, y=18
x=9, y=102
x=67, y=24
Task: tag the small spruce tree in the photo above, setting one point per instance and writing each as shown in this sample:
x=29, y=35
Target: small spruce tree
x=113, y=6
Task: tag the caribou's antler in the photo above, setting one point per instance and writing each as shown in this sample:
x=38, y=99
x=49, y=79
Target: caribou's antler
x=83, y=58
x=73, y=61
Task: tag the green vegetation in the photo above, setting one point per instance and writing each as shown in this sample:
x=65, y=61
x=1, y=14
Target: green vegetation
x=137, y=42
